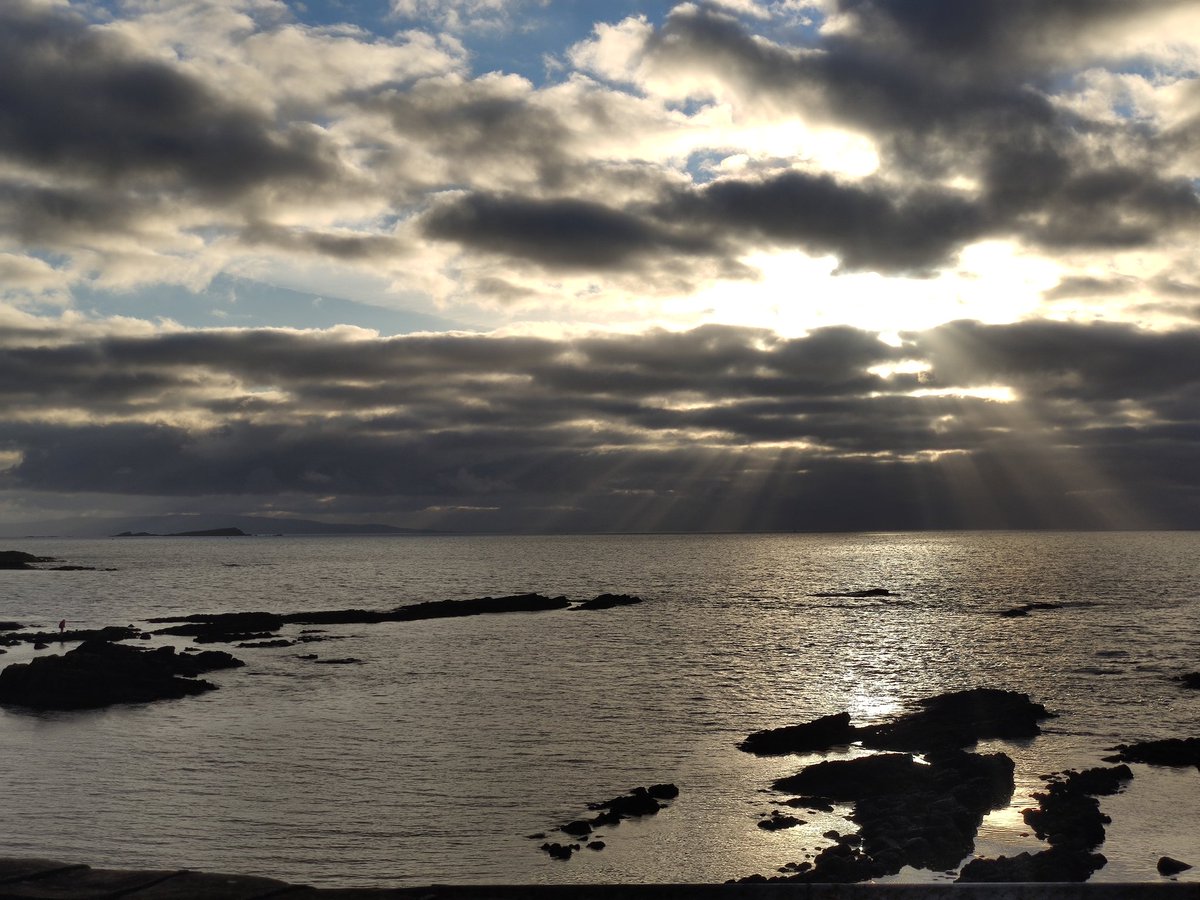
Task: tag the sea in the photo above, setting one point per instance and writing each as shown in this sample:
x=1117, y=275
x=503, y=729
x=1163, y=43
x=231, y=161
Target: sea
x=452, y=741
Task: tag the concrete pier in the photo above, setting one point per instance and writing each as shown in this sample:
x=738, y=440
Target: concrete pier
x=46, y=879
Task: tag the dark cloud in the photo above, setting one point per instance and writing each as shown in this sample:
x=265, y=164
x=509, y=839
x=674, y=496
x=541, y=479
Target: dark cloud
x=559, y=233
x=730, y=427
x=80, y=101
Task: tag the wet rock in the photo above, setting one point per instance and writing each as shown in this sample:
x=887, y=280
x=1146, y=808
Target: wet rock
x=945, y=722
x=607, y=601
x=344, y=661
x=1191, y=680
x=281, y=642
x=560, y=851
x=220, y=626
x=232, y=637
x=40, y=645
x=810, y=737
x=11, y=626
x=1169, y=752
x=777, y=821
x=922, y=815
x=1056, y=864
x=578, y=828
x=596, y=845
x=1168, y=866
x=16, y=559
x=663, y=791
x=111, y=633
x=99, y=673
x=869, y=592
x=435, y=609
x=1026, y=608
x=813, y=804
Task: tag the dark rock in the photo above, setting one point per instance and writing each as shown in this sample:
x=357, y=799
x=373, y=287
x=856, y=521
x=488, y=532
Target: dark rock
x=663, y=791
x=1168, y=866
x=11, y=626
x=344, y=661
x=145, y=637
x=307, y=656
x=560, y=851
x=811, y=737
x=608, y=601
x=922, y=815
x=231, y=637
x=282, y=642
x=1026, y=608
x=778, y=821
x=107, y=633
x=217, y=627
x=1056, y=864
x=98, y=673
x=71, y=569
x=1169, y=752
x=869, y=592
x=435, y=609
x=40, y=645
x=597, y=845
x=16, y=559
x=814, y=804
x=210, y=532
x=1190, y=680
x=578, y=828
x=538, y=836
x=959, y=719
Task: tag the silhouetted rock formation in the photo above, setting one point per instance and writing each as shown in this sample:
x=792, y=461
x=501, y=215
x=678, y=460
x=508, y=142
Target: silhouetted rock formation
x=812, y=737
x=1067, y=817
x=1169, y=752
x=15, y=559
x=1190, y=680
x=869, y=592
x=641, y=801
x=945, y=722
x=921, y=815
x=1055, y=864
x=608, y=601
x=1027, y=608
x=98, y=673
x=222, y=626
x=777, y=821
x=1168, y=866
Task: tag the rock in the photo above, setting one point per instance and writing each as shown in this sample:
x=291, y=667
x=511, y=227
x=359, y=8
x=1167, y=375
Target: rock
x=40, y=645
x=1056, y=864
x=107, y=633
x=813, y=804
x=869, y=592
x=921, y=815
x=1169, y=752
x=231, y=637
x=1027, y=608
x=217, y=627
x=344, y=661
x=99, y=673
x=1191, y=680
x=16, y=559
x=663, y=791
x=282, y=642
x=11, y=626
x=945, y=722
x=560, y=851
x=607, y=601
x=1168, y=866
x=578, y=828
x=597, y=845
x=811, y=737
x=778, y=821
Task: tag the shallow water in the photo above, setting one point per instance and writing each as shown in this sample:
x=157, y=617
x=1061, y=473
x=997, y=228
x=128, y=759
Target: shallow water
x=454, y=739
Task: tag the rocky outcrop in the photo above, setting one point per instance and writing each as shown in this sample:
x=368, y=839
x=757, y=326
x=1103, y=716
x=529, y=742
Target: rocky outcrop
x=908, y=813
x=869, y=592
x=945, y=722
x=16, y=559
x=218, y=627
x=1067, y=817
x=99, y=673
x=1168, y=866
x=1026, y=608
x=1190, y=680
x=1169, y=752
x=641, y=801
x=608, y=601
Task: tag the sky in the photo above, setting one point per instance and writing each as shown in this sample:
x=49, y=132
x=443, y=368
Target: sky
x=557, y=265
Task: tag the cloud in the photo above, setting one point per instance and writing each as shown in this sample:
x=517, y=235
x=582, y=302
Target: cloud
x=622, y=430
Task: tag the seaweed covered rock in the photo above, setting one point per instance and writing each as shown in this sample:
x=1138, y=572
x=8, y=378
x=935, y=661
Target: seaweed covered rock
x=99, y=673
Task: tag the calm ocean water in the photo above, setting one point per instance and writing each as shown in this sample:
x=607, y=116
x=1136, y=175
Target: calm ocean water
x=454, y=739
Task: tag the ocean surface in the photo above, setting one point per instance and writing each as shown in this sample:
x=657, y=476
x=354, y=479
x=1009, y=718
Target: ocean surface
x=454, y=739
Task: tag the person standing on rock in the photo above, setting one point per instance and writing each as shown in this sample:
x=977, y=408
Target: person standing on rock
x=62, y=627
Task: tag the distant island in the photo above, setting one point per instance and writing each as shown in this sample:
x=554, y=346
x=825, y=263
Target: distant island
x=210, y=532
